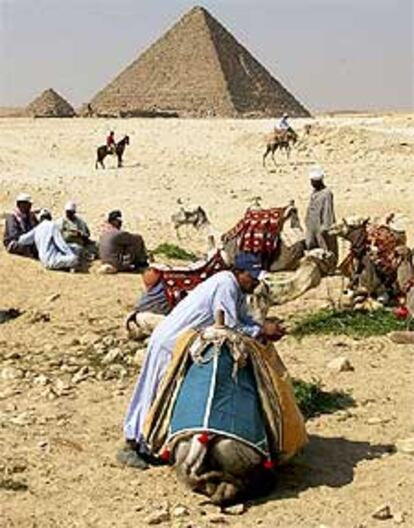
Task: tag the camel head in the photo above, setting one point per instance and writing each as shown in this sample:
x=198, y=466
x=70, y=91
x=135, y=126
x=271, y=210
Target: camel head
x=325, y=260
x=349, y=225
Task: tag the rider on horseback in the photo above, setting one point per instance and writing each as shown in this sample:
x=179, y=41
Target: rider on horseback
x=110, y=142
x=284, y=124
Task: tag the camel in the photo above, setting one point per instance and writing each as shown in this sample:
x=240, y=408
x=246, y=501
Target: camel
x=272, y=291
x=405, y=278
x=103, y=151
x=224, y=413
x=279, y=140
x=291, y=244
x=371, y=264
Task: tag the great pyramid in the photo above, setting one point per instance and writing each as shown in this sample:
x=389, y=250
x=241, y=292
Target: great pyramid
x=196, y=69
x=50, y=104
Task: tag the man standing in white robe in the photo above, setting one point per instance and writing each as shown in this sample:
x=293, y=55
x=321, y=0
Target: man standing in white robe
x=320, y=216
x=226, y=291
x=54, y=252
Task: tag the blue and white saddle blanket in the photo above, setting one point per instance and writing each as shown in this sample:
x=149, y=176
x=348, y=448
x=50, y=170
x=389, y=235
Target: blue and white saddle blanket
x=218, y=396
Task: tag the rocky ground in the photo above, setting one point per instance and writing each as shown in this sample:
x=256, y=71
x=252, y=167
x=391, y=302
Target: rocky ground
x=67, y=368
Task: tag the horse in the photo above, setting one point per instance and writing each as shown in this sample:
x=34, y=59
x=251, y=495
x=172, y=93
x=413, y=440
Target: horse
x=103, y=151
x=279, y=140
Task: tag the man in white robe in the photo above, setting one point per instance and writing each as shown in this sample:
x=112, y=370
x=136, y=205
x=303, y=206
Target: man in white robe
x=320, y=216
x=226, y=291
x=54, y=252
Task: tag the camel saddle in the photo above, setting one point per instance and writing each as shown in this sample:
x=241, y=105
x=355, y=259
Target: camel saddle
x=178, y=282
x=258, y=231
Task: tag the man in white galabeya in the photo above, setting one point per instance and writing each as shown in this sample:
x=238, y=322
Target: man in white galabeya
x=225, y=291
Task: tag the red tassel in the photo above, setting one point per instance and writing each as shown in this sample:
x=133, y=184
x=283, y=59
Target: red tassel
x=268, y=464
x=165, y=455
x=401, y=312
x=203, y=438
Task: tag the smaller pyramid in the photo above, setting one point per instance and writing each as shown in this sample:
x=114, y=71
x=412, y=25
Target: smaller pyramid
x=50, y=104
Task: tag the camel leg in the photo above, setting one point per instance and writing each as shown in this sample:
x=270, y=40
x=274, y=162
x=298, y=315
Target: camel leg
x=265, y=156
x=288, y=153
x=273, y=157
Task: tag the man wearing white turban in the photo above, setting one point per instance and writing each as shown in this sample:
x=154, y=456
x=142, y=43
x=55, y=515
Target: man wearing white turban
x=320, y=216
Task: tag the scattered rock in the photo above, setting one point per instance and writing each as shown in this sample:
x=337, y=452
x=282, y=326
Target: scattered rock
x=217, y=518
x=38, y=316
x=180, y=511
x=139, y=356
x=23, y=419
x=82, y=374
x=382, y=513
x=340, y=364
x=41, y=380
x=399, y=517
x=158, y=517
x=112, y=356
x=53, y=297
x=11, y=373
x=375, y=420
x=62, y=387
x=237, y=509
x=406, y=446
x=114, y=371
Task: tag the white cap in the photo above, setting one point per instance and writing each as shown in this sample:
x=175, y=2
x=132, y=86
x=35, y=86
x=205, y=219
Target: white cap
x=24, y=197
x=285, y=114
x=316, y=174
x=70, y=206
x=398, y=224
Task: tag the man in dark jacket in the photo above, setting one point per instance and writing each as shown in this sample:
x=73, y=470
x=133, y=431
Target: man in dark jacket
x=120, y=250
x=20, y=221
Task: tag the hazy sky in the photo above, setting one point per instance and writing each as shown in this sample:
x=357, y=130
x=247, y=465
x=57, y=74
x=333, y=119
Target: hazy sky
x=331, y=54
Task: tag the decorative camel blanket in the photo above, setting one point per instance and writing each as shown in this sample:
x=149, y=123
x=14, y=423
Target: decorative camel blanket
x=379, y=242
x=258, y=231
x=382, y=243
x=266, y=376
x=178, y=282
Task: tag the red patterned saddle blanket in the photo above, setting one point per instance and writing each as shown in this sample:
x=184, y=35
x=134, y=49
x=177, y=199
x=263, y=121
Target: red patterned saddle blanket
x=179, y=281
x=382, y=243
x=258, y=231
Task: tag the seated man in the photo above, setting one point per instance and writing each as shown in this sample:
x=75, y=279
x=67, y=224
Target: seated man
x=76, y=232
x=120, y=250
x=20, y=221
x=225, y=291
x=53, y=251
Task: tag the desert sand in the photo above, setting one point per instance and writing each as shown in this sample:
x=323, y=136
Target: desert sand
x=61, y=406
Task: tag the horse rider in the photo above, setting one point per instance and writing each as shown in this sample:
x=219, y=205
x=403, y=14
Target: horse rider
x=110, y=142
x=283, y=124
x=226, y=291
